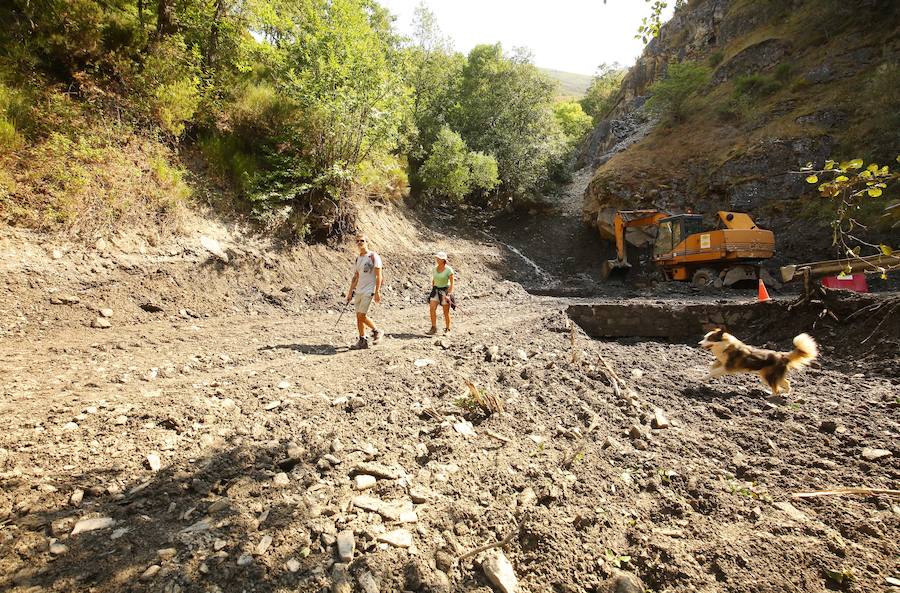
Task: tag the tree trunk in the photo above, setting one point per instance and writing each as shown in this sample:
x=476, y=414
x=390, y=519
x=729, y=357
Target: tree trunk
x=213, y=47
x=165, y=18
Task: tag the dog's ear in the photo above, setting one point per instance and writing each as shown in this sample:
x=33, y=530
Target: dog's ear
x=716, y=335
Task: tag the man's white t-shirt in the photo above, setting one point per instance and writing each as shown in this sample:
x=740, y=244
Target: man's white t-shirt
x=365, y=267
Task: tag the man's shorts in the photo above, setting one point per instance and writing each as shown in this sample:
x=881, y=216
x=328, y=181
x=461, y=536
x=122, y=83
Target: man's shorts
x=362, y=302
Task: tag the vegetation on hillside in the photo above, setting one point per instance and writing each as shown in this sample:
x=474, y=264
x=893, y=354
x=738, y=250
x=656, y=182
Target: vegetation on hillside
x=293, y=107
x=600, y=95
x=748, y=96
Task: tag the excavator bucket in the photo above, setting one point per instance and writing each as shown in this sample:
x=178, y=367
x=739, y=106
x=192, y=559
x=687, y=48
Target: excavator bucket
x=613, y=269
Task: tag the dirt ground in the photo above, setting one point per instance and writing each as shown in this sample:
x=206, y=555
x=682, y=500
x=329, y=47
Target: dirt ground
x=217, y=432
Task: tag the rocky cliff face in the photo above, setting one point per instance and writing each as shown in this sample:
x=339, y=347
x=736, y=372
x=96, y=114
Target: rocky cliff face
x=790, y=82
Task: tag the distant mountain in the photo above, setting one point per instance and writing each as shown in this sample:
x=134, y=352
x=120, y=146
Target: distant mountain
x=570, y=85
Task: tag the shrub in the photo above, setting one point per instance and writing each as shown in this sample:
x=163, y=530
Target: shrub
x=570, y=116
x=9, y=137
x=383, y=177
x=783, y=73
x=168, y=86
x=175, y=103
x=716, y=58
x=755, y=85
x=484, y=171
x=670, y=96
x=452, y=171
x=598, y=99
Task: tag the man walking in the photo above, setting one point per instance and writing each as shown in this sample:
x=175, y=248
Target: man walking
x=365, y=287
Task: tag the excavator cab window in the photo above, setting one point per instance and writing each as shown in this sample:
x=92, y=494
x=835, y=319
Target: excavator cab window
x=663, y=243
x=692, y=225
x=674, y=230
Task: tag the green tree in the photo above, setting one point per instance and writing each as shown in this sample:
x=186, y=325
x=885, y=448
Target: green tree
x=505, y=109
x=600, y=94
x=434, y=77
x=452, y=171
x=575, y=123
x=669, y=97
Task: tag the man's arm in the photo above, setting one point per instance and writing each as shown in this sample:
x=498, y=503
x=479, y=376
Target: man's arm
x=352, y=285
x=452, y=280
x=378, y=279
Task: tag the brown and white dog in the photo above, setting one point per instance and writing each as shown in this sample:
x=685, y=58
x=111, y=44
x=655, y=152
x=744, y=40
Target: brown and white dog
x=733, y=356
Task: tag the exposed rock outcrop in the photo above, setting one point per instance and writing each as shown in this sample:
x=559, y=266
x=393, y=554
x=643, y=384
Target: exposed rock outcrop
x=788, y=85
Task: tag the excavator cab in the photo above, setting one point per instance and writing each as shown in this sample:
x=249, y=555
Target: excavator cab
x=672, y=231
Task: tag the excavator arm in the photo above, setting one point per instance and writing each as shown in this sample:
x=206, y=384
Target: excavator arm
x=623, y=220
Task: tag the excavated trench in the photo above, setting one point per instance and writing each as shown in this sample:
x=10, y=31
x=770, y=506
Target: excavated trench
x=861, y=331
x=680, y=321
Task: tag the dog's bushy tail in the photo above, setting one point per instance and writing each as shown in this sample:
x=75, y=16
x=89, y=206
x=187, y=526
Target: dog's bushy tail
x=805, y=351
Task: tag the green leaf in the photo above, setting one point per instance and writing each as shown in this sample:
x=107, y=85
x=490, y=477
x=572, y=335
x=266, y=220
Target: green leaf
x=885, y=249
x=874, y=192
x=841, y=178
x=855, y=164
x=829, y=165
x=812, y=179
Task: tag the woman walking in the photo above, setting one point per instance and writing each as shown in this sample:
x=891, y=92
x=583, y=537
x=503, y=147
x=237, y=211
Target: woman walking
x=441, y=291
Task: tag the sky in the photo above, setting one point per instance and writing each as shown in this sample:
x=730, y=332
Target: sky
x=570, y=35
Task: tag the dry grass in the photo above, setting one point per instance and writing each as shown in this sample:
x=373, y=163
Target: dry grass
x=90, y=176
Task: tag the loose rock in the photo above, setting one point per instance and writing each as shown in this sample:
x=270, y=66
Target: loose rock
x=93, y=524
x=150, y=572
x=281, y=480
x=263, y=546
x=166, y=553
x=623, y=582
x=154, y=462
x=367, y=582
x=659, y=419
x=340, y=579
x=377, y=470
x=101, y=323
x=399, y=538
x=364, y=481
x=500, y=572
x=58, y=549
x=345, y=545
x=219, y=505
x=244, y=559
x=871, y=454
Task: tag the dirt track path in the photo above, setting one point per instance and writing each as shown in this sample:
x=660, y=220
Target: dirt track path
x=697, y=506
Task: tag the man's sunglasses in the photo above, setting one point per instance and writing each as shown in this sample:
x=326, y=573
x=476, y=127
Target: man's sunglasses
x=361, y=242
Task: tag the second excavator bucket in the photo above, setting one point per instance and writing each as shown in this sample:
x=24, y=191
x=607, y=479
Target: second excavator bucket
x=614, y=268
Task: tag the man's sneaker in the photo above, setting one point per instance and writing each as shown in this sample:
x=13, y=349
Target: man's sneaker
x=362, y=344
x=446, y=331
x=432, y=331
x=377, y=335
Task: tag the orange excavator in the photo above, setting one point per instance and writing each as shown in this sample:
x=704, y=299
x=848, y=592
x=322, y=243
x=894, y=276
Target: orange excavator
x=684, y=251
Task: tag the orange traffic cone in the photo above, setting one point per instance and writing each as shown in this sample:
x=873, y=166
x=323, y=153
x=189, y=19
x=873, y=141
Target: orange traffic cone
x=762, y=293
